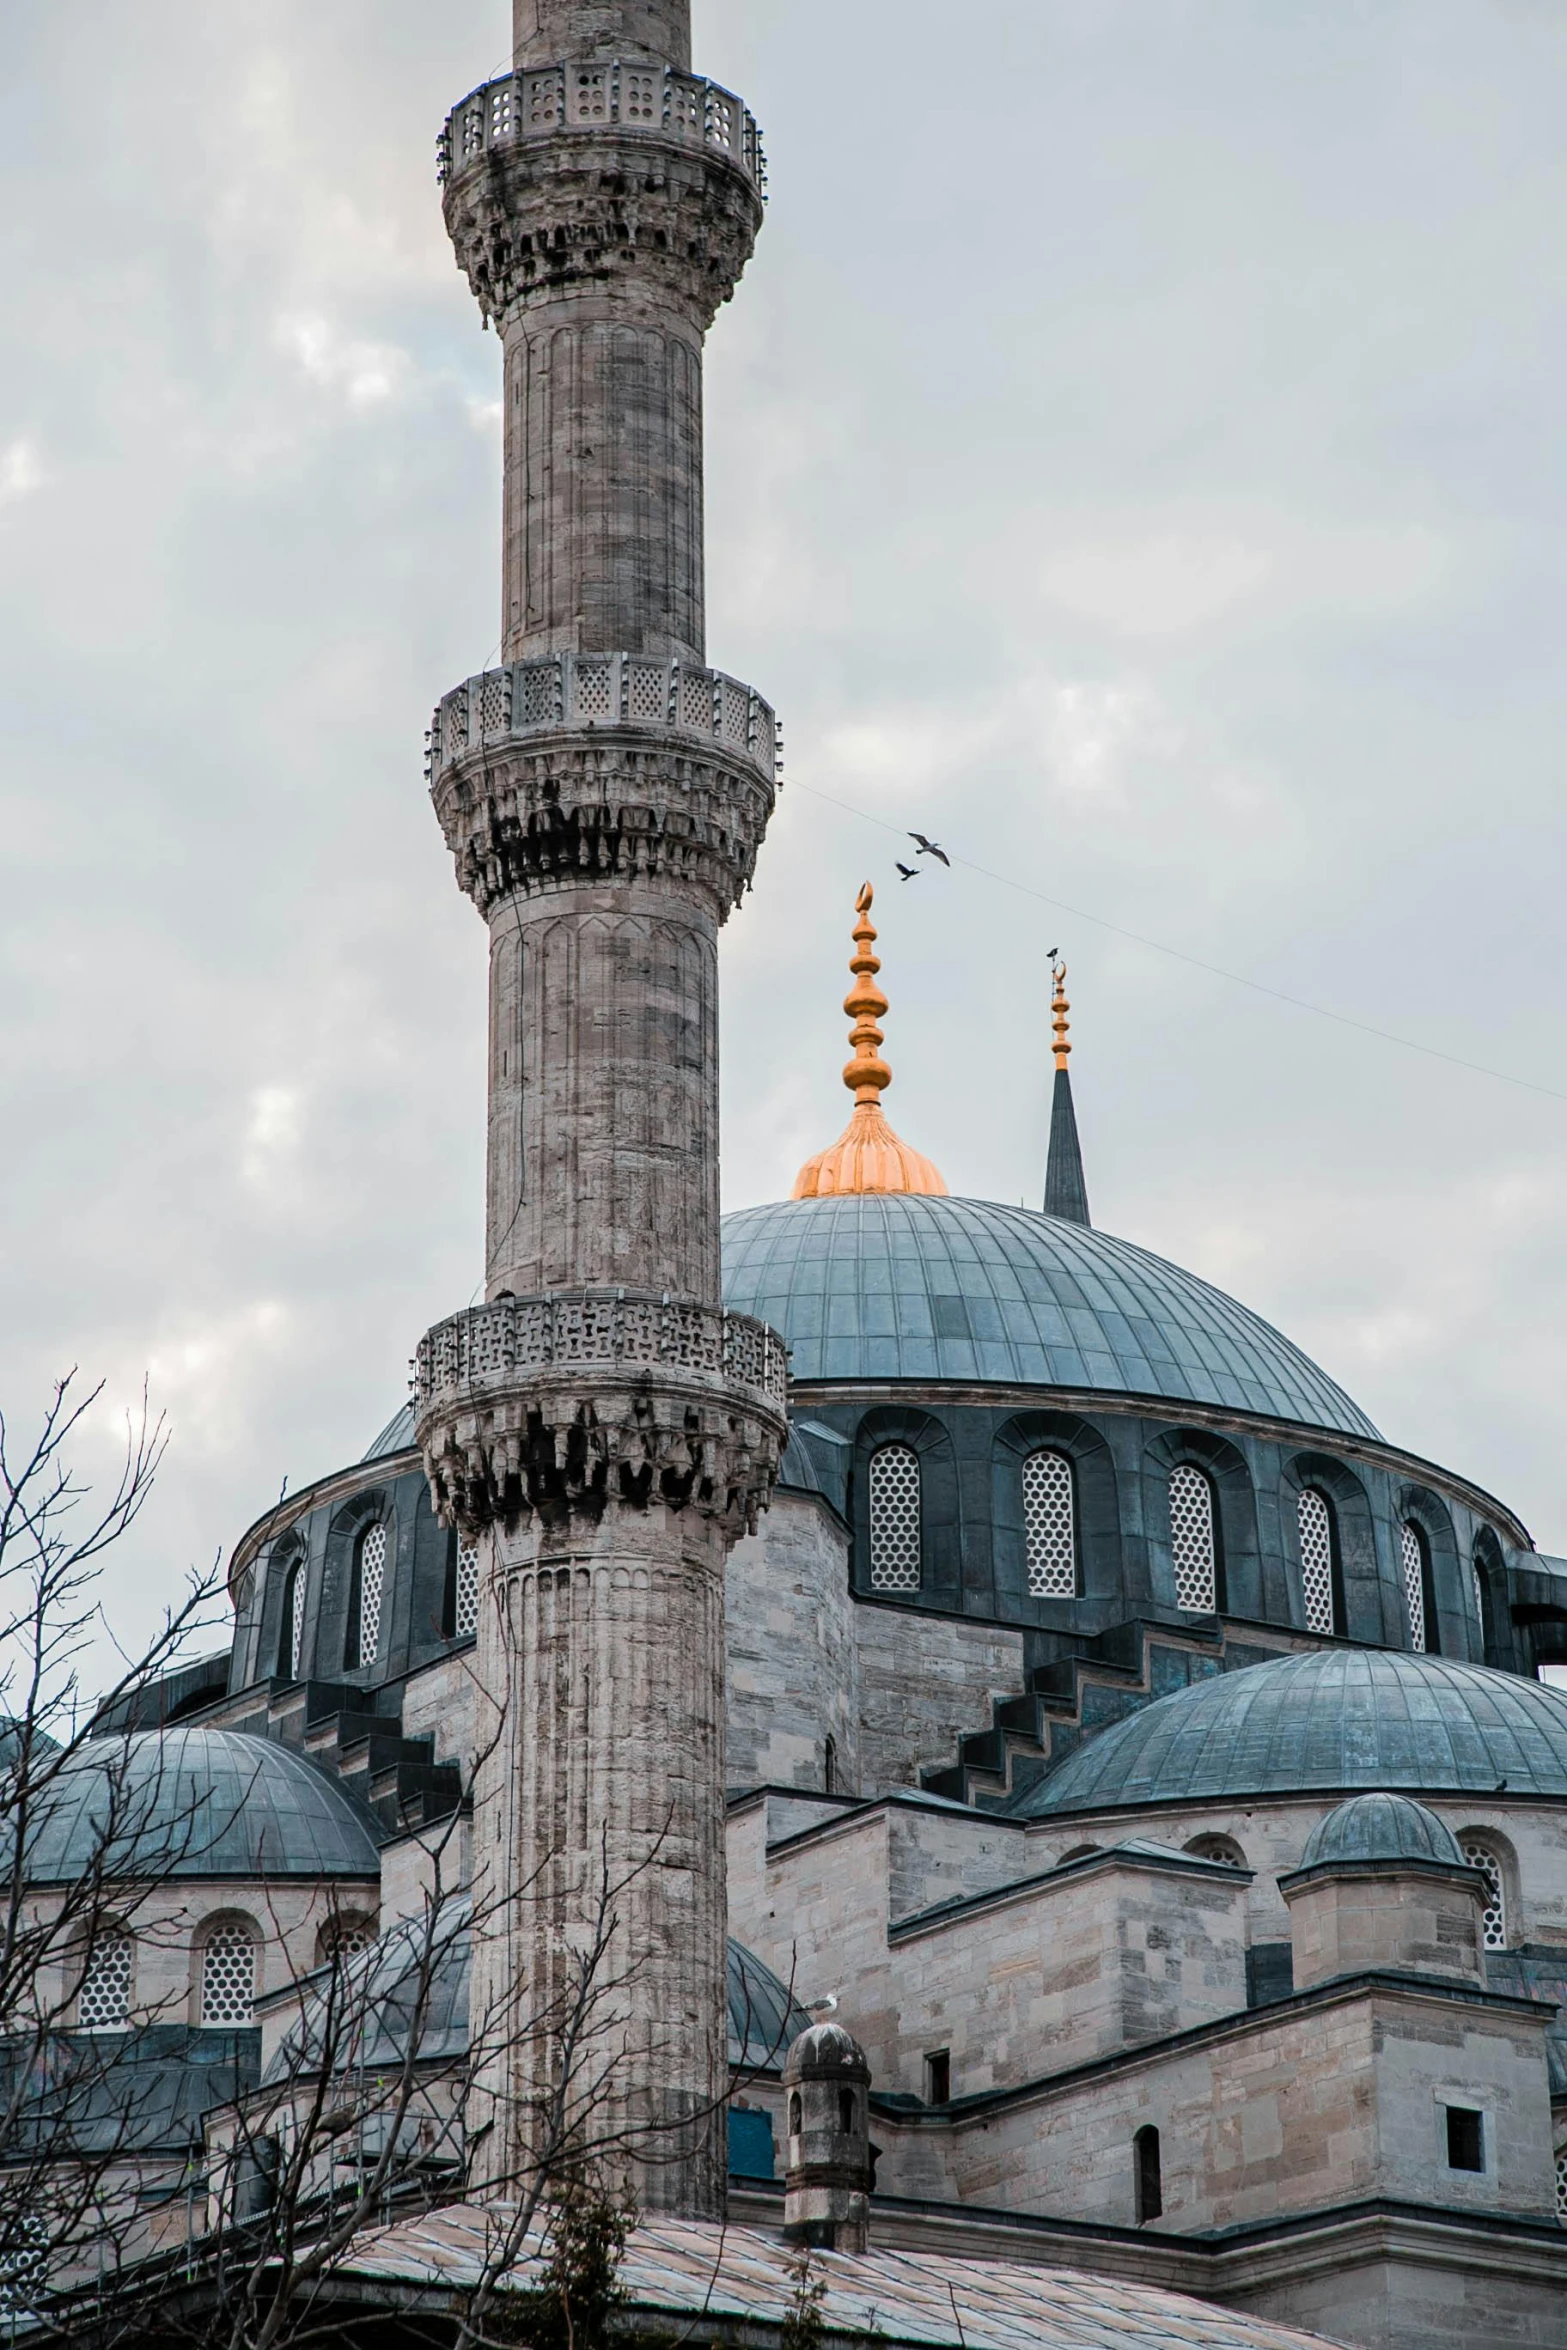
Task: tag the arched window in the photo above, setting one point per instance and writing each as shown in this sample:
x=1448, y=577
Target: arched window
x=342, y=1938
x=1050, y=1526
x=1415, y=1553
x=895, y=1518
x=1483, y=1616
x=1148, y=2174
x=103, y=2004
x=830, y=1766
x=794, y=2113
x=1494, y=1926
x=1315, y=1516
x=465, y=1612
x=228, y=1976
x=1192, y=1544
x=1561, y=2182
x=1223, y=1849
x=291, y=1632
x=369, y=1583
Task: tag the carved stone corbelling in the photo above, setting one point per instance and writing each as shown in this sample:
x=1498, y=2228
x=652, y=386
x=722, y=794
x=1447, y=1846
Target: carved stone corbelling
x=597, y=209
x=571, y=1406
x=542, y=776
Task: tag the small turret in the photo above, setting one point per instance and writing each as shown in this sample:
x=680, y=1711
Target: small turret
x=827, y=2183
x=1066, y=1194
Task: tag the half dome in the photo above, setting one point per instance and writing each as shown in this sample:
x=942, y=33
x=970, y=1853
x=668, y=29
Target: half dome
x=1333, y=1721
x=197, y=1803
x=909, y=1287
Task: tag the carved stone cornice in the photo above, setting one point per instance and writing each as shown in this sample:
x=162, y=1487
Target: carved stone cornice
x=597, y=173
x=613, y=767
x=564, y=1406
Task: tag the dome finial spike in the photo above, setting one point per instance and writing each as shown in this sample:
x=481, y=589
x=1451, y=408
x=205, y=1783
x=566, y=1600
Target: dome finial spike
x=1066, y=1192
x=867, y=1156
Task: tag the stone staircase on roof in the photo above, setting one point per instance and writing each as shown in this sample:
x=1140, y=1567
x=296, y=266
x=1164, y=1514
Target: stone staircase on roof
x=1089, y=1683
x=357, y=1736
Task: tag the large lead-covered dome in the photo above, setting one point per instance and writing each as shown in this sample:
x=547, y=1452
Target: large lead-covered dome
x=903, y=1287
x=1332, y=1721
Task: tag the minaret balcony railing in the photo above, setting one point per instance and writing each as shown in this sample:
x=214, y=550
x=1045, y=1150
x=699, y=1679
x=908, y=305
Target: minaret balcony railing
x=490, y=1345
x=588, y=691
x=601, y=95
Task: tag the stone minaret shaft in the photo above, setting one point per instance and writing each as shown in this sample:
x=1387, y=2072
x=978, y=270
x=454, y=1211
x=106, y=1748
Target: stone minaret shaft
x=600, y=1424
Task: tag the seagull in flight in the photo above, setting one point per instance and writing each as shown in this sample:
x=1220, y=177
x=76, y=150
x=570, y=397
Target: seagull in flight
x=909, y=872
x=930, y=848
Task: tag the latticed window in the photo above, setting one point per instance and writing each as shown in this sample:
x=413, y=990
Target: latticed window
x=1050, y=1525
x=103, y=2003
x=895, y=1518
x=24, y=2262
x=1192, y=1545
x=291, y=1639
x=1316, y=1559
x=228, y=1977
x=1561, y=2182
x=1494, y=1925
x=1412, y=1545
x=372, y=1580
x=465, y=1610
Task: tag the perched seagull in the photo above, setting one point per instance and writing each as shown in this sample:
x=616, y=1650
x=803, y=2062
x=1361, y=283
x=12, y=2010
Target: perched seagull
x=930, y=848
x=909, y=872
x=827, y=2006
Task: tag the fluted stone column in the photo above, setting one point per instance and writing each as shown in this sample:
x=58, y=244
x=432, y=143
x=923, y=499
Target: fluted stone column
x=600, y=1424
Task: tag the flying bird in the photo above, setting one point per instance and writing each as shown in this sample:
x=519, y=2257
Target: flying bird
x=930, y=848
x=909, y=872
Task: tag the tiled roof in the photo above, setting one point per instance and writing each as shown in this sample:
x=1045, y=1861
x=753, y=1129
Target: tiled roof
x=889, y=1287
x=1336, y=1719
x=677, y=2267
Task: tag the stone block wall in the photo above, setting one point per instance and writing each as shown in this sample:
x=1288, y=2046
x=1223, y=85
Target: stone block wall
x=794, y=1679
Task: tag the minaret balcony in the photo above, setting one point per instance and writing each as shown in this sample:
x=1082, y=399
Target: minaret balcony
x=607, y=763
x=601, y=94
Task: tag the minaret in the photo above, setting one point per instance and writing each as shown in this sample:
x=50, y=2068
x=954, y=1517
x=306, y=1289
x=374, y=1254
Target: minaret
x=599, y=1424
x=1066, y=1194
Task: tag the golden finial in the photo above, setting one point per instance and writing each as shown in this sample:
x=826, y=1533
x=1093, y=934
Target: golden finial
x=867, y=1156
x=1059, y=1009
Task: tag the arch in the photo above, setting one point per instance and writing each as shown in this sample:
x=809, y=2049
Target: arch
x=1194, y=1539
x=367, y=1592
x=1077, y=1852
x=898, y=1431
x=1443, y=1601
x=1360, y=1583
x=794, y=2113
x=344, y=1934
x=1223, y=1849
x=830, y=1765
x=1055, y=1512
x=1237, y=1565
x=1148, y=2175
x=226, y=1952
x=103, y=1994
x=1494, y=1857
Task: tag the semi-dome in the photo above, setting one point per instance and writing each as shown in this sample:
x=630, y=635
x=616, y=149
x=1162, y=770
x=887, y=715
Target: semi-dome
x=1381, y=1827
x=907, y=1287
x=197, y=1803
x=1336, y=1719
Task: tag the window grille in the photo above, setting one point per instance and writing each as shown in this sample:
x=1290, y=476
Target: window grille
x=1561, y=2182
x=1482, y=1613
x=372, y=1578
x=1050, y=1525
x=466, y=1611
x=103, y=2003
x=24, y=2263
x=1493, y=1932
x=895, y=1518
x=1413, y=1549
x=1316, y=1559
x=228, y=1977
x=1217, y=1848
x=1191, y=1540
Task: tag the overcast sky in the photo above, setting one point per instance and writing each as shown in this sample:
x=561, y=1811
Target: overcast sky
x=1135, y=456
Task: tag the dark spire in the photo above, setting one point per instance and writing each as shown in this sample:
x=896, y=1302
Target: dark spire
x=1066, y=1194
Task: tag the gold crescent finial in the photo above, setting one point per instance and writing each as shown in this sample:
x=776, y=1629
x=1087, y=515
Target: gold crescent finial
x=1059, y=1008
x=867, y=1156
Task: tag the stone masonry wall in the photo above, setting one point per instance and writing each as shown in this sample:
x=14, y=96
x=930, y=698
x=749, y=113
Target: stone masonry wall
x=925, y=1681
x=793, y=1661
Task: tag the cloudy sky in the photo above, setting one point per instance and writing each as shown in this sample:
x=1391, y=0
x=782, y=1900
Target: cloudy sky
x=1135, y=456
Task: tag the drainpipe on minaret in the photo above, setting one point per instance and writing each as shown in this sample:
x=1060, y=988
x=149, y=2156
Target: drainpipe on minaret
x=599, y=1425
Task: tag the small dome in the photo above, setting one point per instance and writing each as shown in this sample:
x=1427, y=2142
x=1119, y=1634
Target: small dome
x=889, y=1287
x=1384, y=1828
x=825, y=2048
x=198, y=1803
x=1334, y=1719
